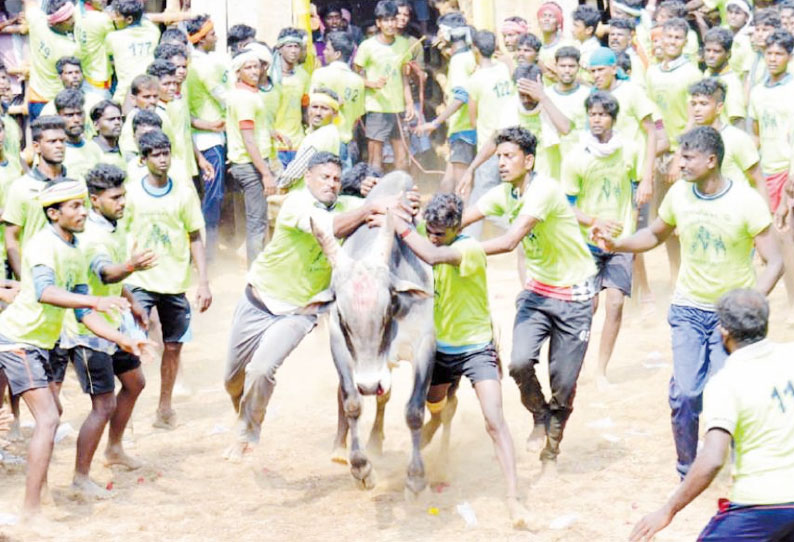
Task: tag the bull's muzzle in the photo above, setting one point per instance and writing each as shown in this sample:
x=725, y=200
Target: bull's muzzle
x=374, y=383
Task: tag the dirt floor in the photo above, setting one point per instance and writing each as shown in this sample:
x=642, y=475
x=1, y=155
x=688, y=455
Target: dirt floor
x=617, y=459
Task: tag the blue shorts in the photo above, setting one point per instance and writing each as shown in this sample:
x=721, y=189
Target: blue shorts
x=756, y=523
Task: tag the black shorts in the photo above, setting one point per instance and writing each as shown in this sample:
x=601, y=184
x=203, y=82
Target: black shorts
x=461, y=152
x=381, y=126
x=477, y=366
x=25, y=368
x=59, y=359
x=614, y=271
x=96, y=370
x=173, y=309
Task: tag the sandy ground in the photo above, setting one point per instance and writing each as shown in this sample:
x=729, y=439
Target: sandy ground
x=617, y=459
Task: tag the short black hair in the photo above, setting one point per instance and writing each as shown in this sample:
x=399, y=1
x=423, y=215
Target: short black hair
x=353, y=177
x=519, y=136
x=167, y=51
x=44, y=123
x=129, y=8
x=321, y=158
x=194, y=25
x=676, y=23
x=444, y=210
x=342, y=43
x=527, y=71
x=744, y=314
x=99, y=109
x=238, y=34
x=452, y=19
x=781, y=38
x=721, y=36
x=624, y=62
x=384, y=9
x=676, y=8
x=67, y=61
x=173, y=34
x=290, y=31
x=331, y=7
x=160, y=68
x=606, y=100
x=529, y=40
x=516, y=19
x=567, y=52
x=69, y=98
x=485, y=42
x=327, y=91
x=703, y=139
x=622, y=24
x=104, y=177
x=589, y=16
x=144, y=81
x=767, y=17
x=144, y=117
x=153, y=141
x=710, y=86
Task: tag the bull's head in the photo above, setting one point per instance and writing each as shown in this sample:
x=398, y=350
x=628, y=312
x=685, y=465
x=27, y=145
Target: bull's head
x=368, y=297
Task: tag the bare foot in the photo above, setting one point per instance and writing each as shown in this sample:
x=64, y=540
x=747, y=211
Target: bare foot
x=117, y=456
x=46, y=495
x=15, y=432
x=236, y=451
x=339, y=455
x=519, y=516
x=165, y=420
x=536, y=439
x=602, y=383
x=86, y=490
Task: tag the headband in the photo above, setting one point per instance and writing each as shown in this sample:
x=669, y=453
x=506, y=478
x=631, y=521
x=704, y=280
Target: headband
x=625, y=8
x=63, y=14
x=514, y=27
x=742, y=5
x=322, y=98
x=62, y=191
x=603, y=56
x=240, y=60
x=455, y=33
x=202, y=32
x=261, y=51
x=300, y=40
x=555, y=9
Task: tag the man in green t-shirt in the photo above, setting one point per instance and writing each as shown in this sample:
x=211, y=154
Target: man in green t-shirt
x=719, y=221
x=54, y=279
x=81, y=154
x=464, y=334
x=107, y=120
x=559, y=285
x=286, y=275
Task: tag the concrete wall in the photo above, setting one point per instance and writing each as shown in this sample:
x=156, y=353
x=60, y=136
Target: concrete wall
x=267, y=16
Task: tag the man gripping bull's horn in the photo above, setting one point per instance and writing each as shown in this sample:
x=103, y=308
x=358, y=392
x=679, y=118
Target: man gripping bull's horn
x=269, y=322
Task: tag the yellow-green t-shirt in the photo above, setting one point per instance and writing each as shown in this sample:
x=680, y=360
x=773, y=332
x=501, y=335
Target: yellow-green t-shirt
x=91, y=99
x=22, y=205
x=13, y=140
x=162, y=221
x=179, y=169
x=28, y=321
x=740, y=153
x=461, y=66
x=324, y=139
x=602, y=185
x=380, y=60
x=247, y=104
x=741, y=55
x=716, y=234
x=773, y=109
x=131, y=50
x=492, y=89
x=179, y=113
x=46, y=47
x=10, y=171
x=112, y=157
x=547, y=153
x=289, y=116
x=571, y=104
x=207, y=78
x=735, y=106
x=80, y=158
x=349, y=86
x=272, y=97
x=669, y=89
x=91, y=28
x=751, y=398
x=635, y=106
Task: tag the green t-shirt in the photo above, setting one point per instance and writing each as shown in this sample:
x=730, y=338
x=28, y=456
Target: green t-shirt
x=461, y=66
x=669, y=89
x=571, y=104
x=493, y=90
x=716, y=235
x=46, y=47
x=182, y=147
x=735, y=106
x=22, y=205
x=247, y=104
x=380, y=60
x=13, y=139
x=131, y=50
x=272, y=98
x=460, y=311
x=349, y=86
x=547, y=155
x=81, y=158
x=91, y=99
x=556, y=254
x=289, y=116
x=28, y=321
x=741, y=54
x=91, y=28
x=602, y=185
x=179, y=169
x=207, y=79
x=740, y=153
x=10, y=171
x=162, y=222
x=773, y=109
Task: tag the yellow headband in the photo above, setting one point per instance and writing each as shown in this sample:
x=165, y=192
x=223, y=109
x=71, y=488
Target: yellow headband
x=323, y=99
x=62, y=191
x=202, y=32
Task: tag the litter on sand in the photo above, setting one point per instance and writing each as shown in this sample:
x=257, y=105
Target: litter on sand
x=465, y=511
x=563, y=522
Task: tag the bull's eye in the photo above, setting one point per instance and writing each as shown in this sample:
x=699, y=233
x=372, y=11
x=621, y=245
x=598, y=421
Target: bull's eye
x=345, y=333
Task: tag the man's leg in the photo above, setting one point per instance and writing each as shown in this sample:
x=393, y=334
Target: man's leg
x=377, y=130
x=530, y=329
x=175, y=314
x=250, y=181
x=41, y=403
x=132, y=384
x=401, y=160
x=690, y=337
x=616, y=281
x=213, y=196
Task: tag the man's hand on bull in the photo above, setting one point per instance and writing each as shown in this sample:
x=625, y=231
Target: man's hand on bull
x=414, y=200
x=398, y=205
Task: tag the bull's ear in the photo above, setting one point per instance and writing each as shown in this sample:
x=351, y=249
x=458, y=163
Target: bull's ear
x=319, y=303
x=410, y=289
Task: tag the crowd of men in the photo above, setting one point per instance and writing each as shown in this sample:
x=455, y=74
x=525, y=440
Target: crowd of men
x=587, y=136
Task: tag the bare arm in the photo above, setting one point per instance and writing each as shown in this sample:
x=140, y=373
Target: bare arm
x=467, y=179
x=769, y=250
x=756, y=179
x=473, y=105
x=252, y=148
x=645, y=188
x=422, y=247
x=707, y=465
x=203, y=295
x=558, y=119
x=509, y=240
x=471, y=214
x=643, y=240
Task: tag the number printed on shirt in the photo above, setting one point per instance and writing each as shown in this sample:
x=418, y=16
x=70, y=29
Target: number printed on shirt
x=44, y=49
x=351, y=94
x=502, y=89
x=780, y=396
x=140, y=48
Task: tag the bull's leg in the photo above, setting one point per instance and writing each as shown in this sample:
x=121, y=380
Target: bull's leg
x=376, y=436
x=339, y=453
x=416, y=480
x=446, y=420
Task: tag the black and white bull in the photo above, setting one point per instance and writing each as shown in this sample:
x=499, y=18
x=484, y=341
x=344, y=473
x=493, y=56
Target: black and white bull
x=382, y=311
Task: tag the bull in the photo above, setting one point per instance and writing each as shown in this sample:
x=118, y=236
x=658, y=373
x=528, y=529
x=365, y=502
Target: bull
x=382, y=310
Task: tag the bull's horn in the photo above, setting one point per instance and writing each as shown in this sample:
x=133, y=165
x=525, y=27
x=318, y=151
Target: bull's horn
x=327, y=243
x=386, y=238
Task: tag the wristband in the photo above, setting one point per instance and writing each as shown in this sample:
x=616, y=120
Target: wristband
x=406, y=232
x=129, y=268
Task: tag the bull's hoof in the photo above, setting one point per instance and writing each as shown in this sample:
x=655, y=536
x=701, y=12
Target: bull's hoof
x=339, y=455
x=520, y=518
x=368, y=482
x=375, y=445
x=414, y=486
x=361, y=469
x=236, y=452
